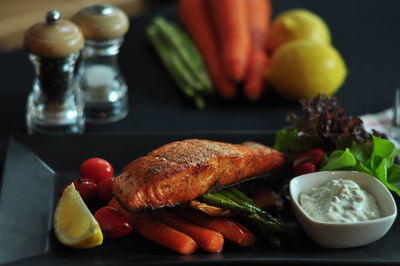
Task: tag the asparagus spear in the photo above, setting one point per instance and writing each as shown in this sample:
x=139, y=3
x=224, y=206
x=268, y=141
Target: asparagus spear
x=178, y=41
x=174, y=66
x=241, y=196
x=176, y=59
x=176, y=70
x=242, y=199
x=199, y=102
x=201, y=67
x=236, y=201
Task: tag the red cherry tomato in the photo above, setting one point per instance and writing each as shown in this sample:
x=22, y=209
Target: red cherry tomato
x=304, y=168
x=105, y=189
x=87, y=188
x=112, y=223
x=96, y=169
x=314, y=156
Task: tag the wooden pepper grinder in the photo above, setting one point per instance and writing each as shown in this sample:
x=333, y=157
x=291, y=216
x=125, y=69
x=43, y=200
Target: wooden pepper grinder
x=105, y=90
x=55, y=104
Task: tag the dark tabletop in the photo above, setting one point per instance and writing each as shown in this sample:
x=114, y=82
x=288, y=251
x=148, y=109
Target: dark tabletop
x=365, y=32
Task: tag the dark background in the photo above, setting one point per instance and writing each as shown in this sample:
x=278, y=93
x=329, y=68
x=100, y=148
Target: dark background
x=366, y=33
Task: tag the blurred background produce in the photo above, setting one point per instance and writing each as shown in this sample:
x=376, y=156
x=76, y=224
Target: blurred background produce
x=181, y=58
x=355, y=30
x=244, y=51
x=302, y=69
x=232, y=37
x=304, y=63
x=298, y=24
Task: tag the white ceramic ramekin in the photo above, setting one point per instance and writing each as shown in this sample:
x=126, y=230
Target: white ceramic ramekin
x=344, y=235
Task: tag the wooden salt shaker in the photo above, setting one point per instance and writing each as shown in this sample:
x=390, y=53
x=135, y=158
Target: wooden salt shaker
x=105, y=89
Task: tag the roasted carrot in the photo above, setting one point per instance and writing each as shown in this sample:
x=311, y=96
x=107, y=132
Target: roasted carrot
x=115, y=204
x=259, y=15
x=229, y=229
x=165, y=235
x=159, y=232
x=230, y=21
x=193, y=15
x=207, y=239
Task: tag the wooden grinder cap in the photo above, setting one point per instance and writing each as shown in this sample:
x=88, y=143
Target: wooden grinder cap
x=54, y=38
x=101, y=22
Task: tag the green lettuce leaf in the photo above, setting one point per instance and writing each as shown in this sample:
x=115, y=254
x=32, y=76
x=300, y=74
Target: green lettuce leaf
x=339, y=159
x=361, y=168
x=361, y=151
x=376, y=160
x=389, y=177
x=385, y=149
x=393, y=178
x=286, y=139
x=378, y=167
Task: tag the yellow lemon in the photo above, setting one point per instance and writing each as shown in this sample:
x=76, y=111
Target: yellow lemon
x=74, y=224
x=298, y=24
x=302, y=69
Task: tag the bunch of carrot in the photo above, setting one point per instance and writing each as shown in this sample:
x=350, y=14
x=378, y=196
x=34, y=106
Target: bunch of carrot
x=184, y=230
x=231, y=35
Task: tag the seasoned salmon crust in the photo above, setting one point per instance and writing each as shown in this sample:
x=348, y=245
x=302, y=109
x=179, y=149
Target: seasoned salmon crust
x=183, y=170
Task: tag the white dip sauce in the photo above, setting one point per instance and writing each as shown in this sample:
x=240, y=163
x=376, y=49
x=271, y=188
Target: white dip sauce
x=340, y=201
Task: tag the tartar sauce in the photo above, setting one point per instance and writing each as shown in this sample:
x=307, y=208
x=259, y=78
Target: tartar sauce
x=340, y=201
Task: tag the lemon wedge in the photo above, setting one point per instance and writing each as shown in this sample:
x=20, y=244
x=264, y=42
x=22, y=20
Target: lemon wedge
x=74, y=224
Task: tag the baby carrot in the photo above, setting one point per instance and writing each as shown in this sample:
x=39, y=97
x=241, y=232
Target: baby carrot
x=159, y=232
x=229, y=229
x=193, y=15
x=207, y=239
x=115, y=204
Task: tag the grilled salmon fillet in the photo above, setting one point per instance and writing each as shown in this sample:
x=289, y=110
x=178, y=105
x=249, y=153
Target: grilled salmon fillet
x=183, y=170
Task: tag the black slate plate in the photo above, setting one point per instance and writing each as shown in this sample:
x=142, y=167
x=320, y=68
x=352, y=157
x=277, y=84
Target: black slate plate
x=37, y=167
